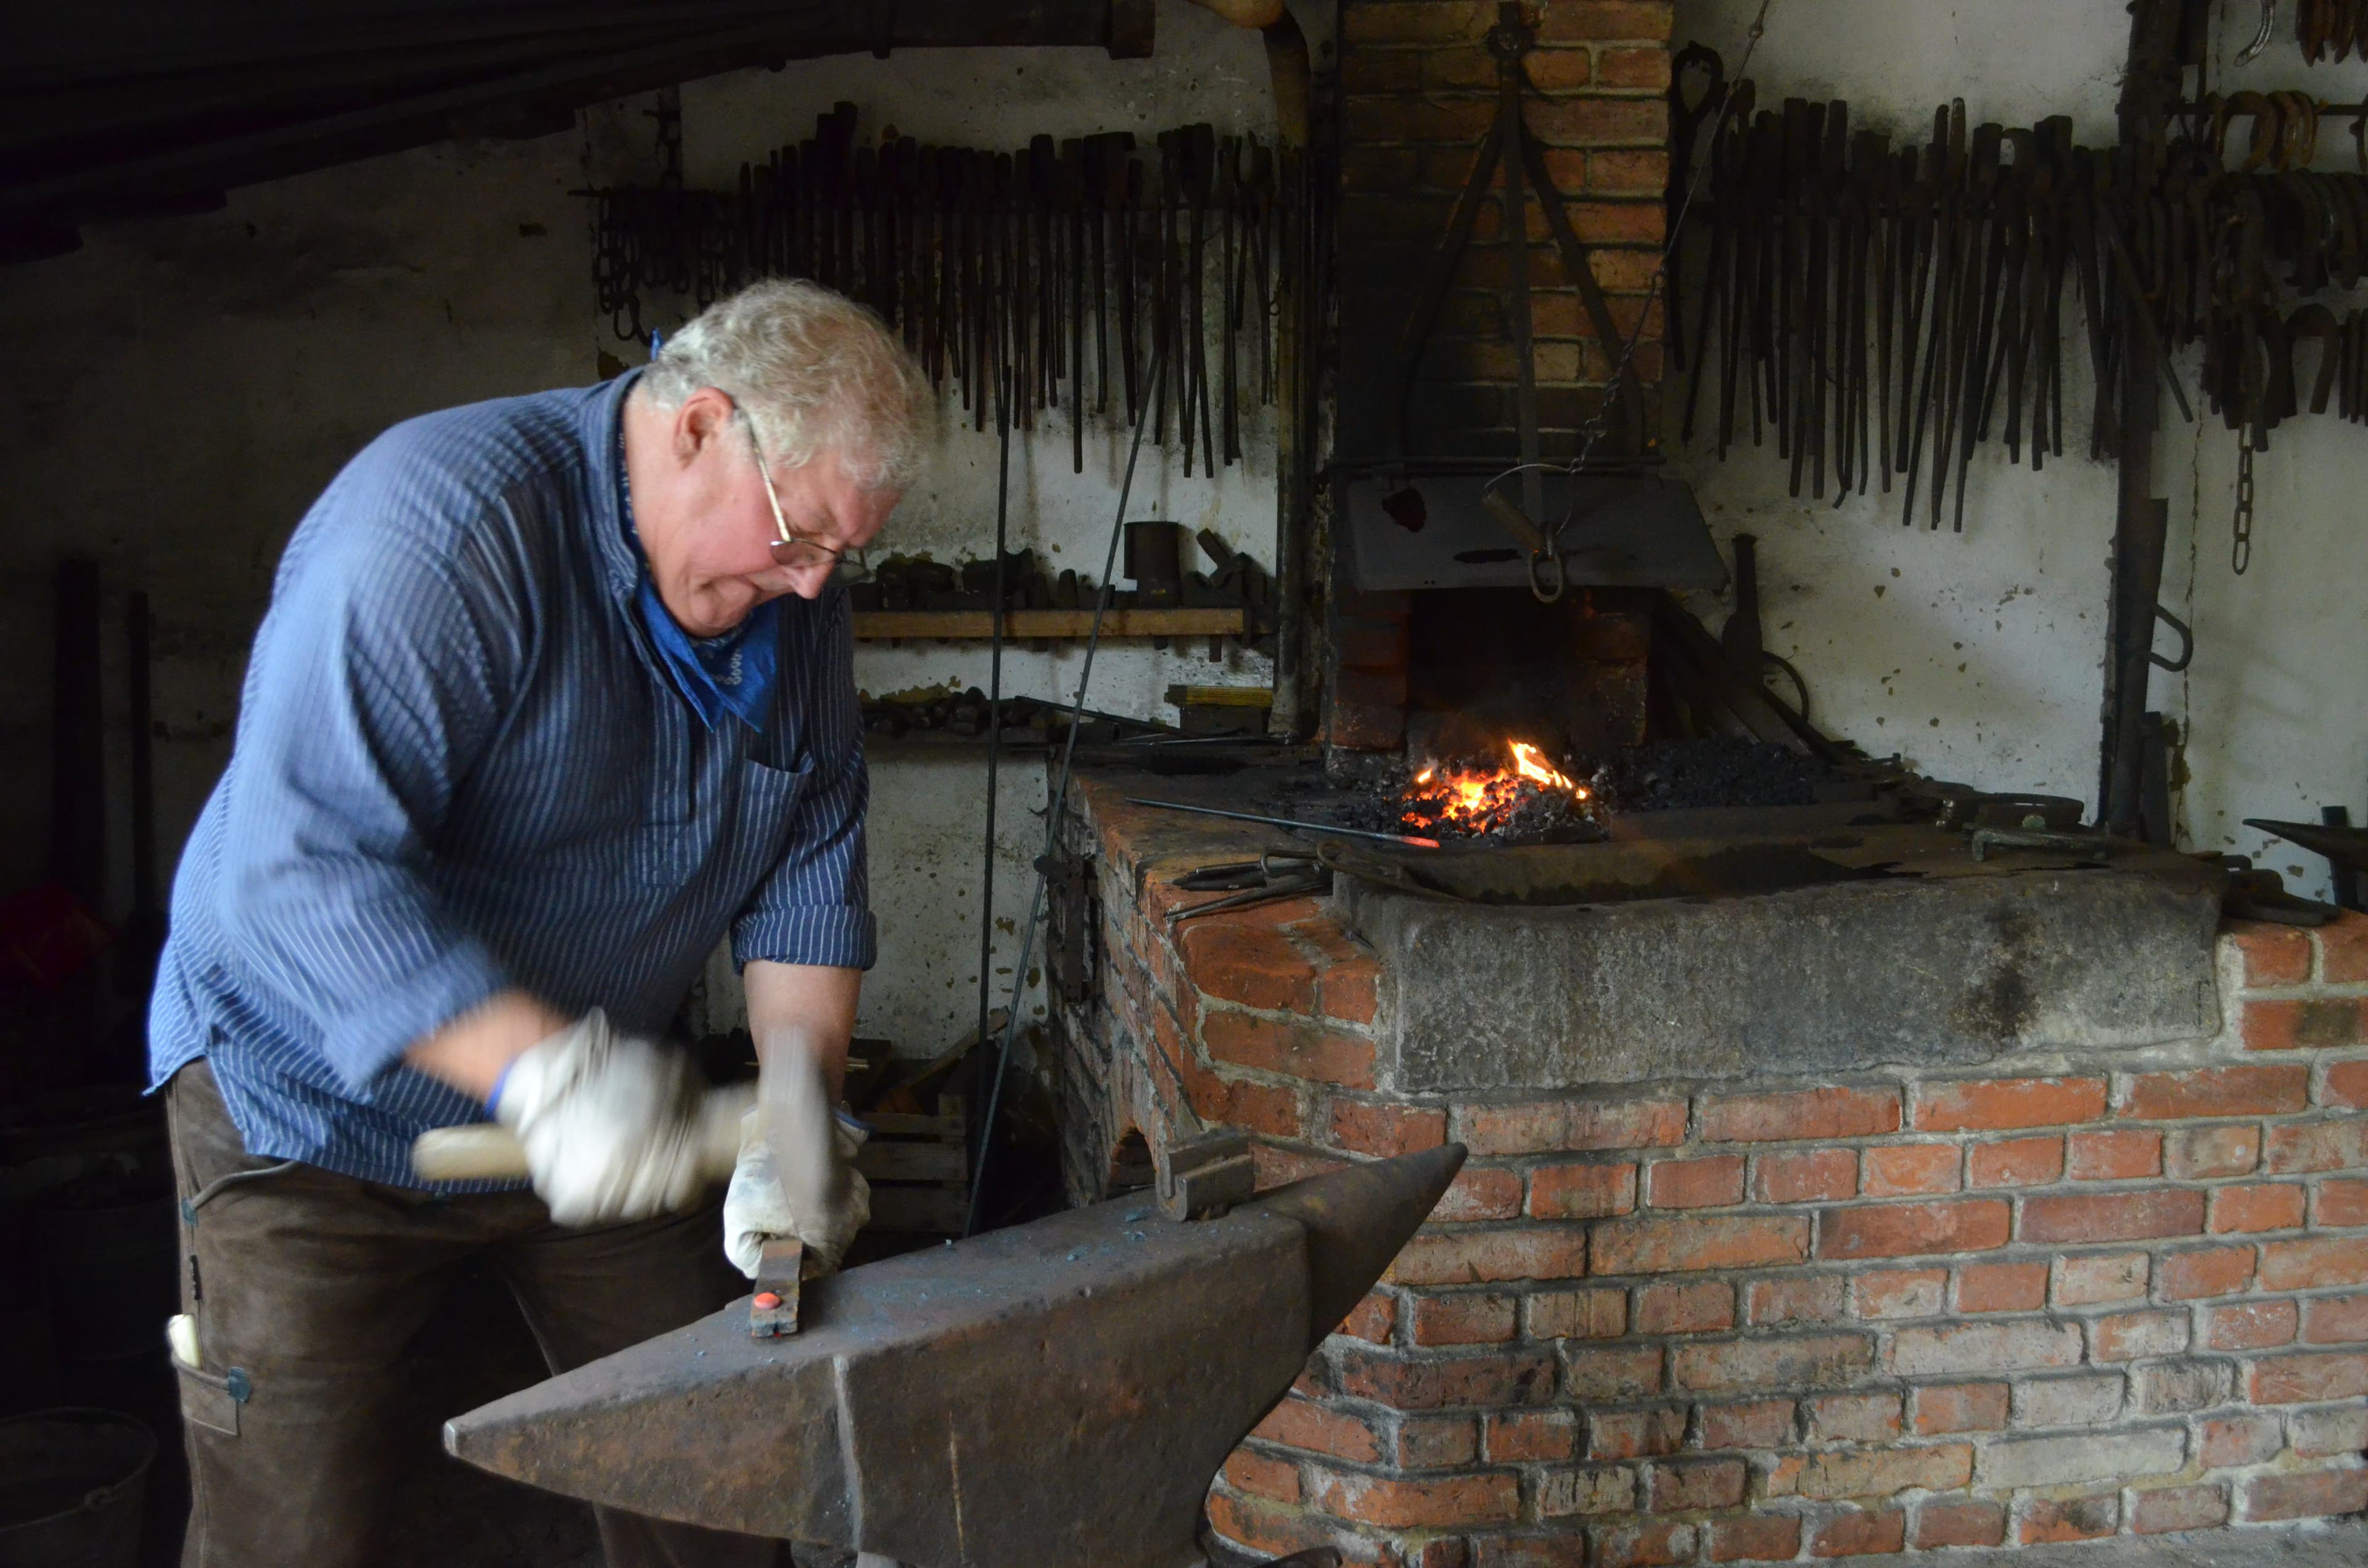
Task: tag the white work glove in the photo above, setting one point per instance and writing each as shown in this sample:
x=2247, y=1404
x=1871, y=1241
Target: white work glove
x=610, y=1123
x=796, y=1175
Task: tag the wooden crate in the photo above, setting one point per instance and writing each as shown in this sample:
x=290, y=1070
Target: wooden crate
x=919, y=1169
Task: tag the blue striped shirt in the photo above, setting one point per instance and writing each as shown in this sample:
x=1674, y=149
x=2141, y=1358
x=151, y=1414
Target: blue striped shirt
x=461, y=766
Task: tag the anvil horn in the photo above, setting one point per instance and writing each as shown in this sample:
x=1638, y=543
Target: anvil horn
x=1059, y=1393
x=2347, y=847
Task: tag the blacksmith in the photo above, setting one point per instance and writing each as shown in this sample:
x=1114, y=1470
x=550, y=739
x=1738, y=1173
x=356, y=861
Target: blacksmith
x=554, y=693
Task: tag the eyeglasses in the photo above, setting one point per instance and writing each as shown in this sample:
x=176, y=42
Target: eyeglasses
x=792, y=551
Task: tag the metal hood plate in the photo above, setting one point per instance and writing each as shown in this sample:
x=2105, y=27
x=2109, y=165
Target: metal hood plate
x=1626, y=531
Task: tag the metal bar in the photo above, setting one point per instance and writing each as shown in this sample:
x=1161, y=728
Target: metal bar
x=1287, y=823
x=2142, y=522
x=1507, y=40
x=1003, y=390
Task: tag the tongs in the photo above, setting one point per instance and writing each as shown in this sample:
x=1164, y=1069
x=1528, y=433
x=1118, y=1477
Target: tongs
x=1247, y=882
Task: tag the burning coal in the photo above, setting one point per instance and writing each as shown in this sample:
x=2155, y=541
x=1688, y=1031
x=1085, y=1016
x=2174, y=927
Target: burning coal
x=1525, y=798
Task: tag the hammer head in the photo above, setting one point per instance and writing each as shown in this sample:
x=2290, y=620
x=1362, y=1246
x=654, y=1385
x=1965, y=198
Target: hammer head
x=1059, y=1393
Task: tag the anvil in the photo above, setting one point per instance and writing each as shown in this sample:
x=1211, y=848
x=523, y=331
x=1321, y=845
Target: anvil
x=1060, y=1392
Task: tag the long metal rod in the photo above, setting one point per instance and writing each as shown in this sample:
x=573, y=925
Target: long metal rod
x=1403, y=838
x=2142, y=521
x=1056, y=818
x=1509, y=39
x=994, y=702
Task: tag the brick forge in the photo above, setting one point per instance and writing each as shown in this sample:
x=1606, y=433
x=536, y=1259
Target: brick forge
x=2124, y=1291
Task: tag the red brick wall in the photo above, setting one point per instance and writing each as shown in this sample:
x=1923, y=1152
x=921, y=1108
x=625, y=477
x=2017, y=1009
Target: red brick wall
x=1370, y=670
x=1418, y=93
x=1693, y=1322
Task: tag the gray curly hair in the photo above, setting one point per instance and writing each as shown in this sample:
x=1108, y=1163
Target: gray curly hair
x=814, y=371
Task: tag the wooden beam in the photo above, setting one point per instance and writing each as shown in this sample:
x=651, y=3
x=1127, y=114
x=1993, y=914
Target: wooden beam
x=878, y=625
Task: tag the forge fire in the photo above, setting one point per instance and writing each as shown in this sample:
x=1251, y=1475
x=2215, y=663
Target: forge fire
x=1521, y=797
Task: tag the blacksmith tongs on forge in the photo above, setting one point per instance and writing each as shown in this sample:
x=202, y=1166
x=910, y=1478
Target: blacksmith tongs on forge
x=1249, y=883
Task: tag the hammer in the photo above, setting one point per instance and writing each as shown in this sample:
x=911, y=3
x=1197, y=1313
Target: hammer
x=490, y=1151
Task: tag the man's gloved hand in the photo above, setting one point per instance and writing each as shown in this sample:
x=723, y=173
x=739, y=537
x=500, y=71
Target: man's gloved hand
x=796, y=1175
x=758, y=1207
x=610, y=1123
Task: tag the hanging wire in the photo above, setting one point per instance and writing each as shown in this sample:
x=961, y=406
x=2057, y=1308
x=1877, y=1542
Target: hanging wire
x=1056, y=818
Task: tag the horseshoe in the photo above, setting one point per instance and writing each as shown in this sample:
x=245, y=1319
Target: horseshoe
x=2319, y=322
x=2262, y=138
x=2301, y=130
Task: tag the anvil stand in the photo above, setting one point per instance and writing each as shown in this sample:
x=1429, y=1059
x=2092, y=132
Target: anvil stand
x=1509, y=142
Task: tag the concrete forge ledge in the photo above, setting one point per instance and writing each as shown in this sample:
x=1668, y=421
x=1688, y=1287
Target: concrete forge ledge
x=2314, y=1545
x=2317, y=1544
x=1907, y=971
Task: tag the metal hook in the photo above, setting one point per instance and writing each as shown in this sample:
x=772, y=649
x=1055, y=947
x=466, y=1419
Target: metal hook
x=2186, y=644
x=1538, y=576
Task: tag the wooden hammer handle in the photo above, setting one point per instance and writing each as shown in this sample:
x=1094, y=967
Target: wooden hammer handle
x=488, y=1151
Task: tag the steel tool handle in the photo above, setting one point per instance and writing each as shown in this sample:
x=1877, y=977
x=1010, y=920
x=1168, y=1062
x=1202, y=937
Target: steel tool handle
x=488, y=1152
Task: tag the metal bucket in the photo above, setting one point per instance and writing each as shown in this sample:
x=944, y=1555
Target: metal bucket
x=70, y=1486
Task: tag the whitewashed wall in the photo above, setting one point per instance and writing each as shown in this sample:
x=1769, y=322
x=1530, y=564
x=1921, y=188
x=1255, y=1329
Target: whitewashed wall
x=1978, y=656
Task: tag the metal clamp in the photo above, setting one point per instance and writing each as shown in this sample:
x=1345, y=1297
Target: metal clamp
x=1204, y=1177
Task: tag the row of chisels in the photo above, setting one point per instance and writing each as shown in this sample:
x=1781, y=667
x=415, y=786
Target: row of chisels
x=1093, y=275
x=1882, y=311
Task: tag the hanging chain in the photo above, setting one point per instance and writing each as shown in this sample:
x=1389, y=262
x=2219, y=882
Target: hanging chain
x=2240, y=549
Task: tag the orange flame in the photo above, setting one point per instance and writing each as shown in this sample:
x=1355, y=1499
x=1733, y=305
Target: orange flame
x=1477, y=800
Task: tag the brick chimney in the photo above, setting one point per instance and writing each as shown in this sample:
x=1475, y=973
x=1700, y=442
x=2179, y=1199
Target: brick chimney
x=1420, y=94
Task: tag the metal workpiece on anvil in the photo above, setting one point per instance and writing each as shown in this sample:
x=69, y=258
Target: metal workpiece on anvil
x=1057, y=1393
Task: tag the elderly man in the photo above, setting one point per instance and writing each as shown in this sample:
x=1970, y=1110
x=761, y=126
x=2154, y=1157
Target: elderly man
x=553, y=691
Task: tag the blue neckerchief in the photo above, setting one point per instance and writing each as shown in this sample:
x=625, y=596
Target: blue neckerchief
x=731, y=674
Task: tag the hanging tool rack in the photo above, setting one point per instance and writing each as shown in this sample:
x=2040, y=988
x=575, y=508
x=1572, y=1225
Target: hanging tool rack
x=1074, y=262
x=1881, y=310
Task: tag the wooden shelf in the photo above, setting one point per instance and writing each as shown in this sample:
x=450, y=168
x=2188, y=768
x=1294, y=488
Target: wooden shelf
x=880, y=625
